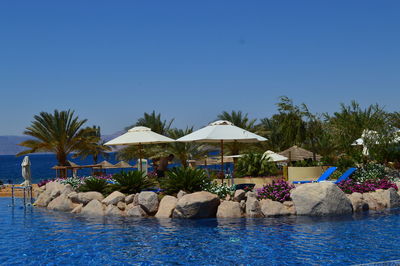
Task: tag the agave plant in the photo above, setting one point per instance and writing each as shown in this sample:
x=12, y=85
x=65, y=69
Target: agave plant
x=95, y=184
x=132, y=182
x=186, y=179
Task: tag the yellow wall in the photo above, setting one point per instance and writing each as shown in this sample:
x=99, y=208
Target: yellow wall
x=305, y=173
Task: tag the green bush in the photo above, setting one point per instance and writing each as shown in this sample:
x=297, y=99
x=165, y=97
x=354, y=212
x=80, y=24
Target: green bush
x=95, y=184
x=222, y=190
x=186, y=179
x=254, y=164
x=370, y=172
x=132, y=182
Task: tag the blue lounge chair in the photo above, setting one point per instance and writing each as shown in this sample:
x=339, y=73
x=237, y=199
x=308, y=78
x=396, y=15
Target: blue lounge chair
x=346, y=175
x=323, y=177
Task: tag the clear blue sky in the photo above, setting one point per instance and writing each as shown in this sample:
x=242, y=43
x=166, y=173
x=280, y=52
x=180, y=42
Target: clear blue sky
x=111, y=61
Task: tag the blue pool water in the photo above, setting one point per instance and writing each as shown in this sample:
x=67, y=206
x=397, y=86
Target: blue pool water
x=35, y=236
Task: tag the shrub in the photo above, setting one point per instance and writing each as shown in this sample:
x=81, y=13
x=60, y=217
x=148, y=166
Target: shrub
x=350, y=185
x=95, y=184
x=222, y=190
x=277, y=191
x=393, y=175
x=75, y=182
x=370, y=172
x=186, y=179
x=255, y=164
x=132, y=182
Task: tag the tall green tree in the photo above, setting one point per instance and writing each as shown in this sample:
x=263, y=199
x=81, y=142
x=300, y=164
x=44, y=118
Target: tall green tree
x=185, y=150
x=60, y=132
x=95, y=149
x=348, y=124
x=239, y=119
x=154, y=122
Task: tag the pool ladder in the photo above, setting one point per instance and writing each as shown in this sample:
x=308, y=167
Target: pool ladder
x=28, y=195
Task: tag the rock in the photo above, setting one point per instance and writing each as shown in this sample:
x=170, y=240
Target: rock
x=239, y=195
x=136, y=199
x=136, y=211
x=129, y=198
x=242, y=206
x=290, y=206
x=54, y=186
x=167, y=206
x=253, y=209
x=148, y=200
x=358, y=202
x=272, y=208
x=61, y=203
x=93, y=208
x=112, y=210
x=320, y=199
x=382, y=199
x=113, y=198
x=197, y=205
x=250, y=194
x=229, y=209
x=85, y=197
x=228, y=197
x=180, y=194
x=67, y=189
x=129, y=206
x=43, y=200
x=121, y=205
x=55, y=193
x=77, y=208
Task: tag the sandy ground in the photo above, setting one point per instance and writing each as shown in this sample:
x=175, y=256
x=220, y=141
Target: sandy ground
x=5, y=191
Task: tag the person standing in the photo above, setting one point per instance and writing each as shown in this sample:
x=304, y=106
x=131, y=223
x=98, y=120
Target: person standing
x=163, y=165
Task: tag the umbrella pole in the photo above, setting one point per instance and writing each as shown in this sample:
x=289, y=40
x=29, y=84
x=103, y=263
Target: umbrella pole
x=222, y=160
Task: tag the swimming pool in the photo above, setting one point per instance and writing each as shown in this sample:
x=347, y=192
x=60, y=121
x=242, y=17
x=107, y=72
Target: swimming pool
x=35, y=236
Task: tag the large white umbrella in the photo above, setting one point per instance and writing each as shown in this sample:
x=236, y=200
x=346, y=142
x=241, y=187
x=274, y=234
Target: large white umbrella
x=139, y=136
x=274, y=157
x=222, y=131
x=26, y=171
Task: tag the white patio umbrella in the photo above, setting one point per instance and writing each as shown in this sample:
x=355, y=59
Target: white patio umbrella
x=222, y=131
x=274, y=157
x=26, y=171
x=139, y=136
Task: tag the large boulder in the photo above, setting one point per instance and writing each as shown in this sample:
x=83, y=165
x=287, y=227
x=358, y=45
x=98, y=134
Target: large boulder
x=85, y=197
x=44, y=199
x=358, y=202
x=78, y=208
x=272, y=208
x=239, y=195
x=382, y=199
x=167, y=206
x=61, y=203
x=113, y=198
x=180, y=194
x=197, y=205
x=67, y=189
x=320, y=199
x=54, y=186
x=112, y=210
x=129, y=198
x=253, y=208
x=148, y=201
x=229, y=209
x=136, y=211
x=93, y=208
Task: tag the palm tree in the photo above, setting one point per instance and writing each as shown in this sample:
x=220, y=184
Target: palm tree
x=154, y=122
x=60, y=132
x=93, y=148
x=184, y=150
x=240, y=120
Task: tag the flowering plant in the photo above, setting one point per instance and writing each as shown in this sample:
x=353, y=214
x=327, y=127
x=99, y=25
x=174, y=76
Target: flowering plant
x=277, y=191
x=222, y=190
x=44, y=182
x=350, y=185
